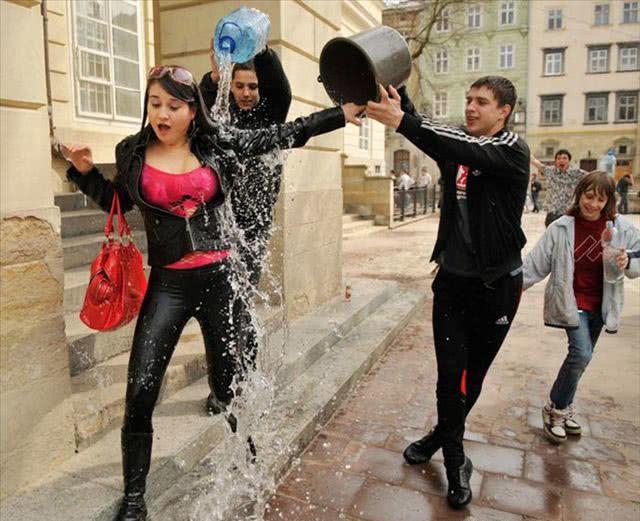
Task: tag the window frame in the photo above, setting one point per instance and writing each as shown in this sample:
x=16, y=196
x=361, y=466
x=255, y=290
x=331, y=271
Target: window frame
x=551, y=97
x=628, y=46
x=513, y=55
x=441, y=57
x=504, y=3
x=76, y=67
x=559, y=19
x=477, y=55
x=594, y=96
x=364, y=135
x=476, y=15
x=550, y=52
x=619, y=95
x=438, y=103
x=595, y=14
x=597, y=48
x=443, y=24
x=631, y=10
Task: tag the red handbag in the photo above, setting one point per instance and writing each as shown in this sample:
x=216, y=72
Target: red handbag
x=117, y=284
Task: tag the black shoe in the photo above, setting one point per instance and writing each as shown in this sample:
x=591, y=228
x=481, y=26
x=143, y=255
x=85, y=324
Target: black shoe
x=133, y=508
x=215, y=406
x=136, y=459
x=421, y=451
x=459, y=493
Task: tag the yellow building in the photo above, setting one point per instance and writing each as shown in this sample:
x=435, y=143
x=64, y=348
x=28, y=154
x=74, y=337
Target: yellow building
x=92, y=76
x=584, y=81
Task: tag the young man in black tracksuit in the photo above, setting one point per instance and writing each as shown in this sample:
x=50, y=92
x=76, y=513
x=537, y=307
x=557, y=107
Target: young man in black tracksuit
x=260, y=96
x=477, y=290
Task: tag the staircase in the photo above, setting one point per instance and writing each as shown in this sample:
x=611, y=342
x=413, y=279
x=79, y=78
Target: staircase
x=353, y=225
x=98, y=361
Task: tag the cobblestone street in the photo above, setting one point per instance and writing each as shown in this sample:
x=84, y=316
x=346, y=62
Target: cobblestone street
x=354, y=469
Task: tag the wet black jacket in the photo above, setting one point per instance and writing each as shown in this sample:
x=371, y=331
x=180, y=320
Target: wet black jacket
x=170, y=236
x=496, y=188
x=255, y=194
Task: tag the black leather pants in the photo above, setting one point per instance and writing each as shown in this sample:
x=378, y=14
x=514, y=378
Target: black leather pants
x=173, y=297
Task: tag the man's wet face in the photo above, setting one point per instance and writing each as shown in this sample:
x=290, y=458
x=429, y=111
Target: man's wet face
x=244, y=88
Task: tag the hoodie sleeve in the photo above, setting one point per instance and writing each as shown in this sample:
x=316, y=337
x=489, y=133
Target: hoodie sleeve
x=505, y=155
x=273, y=84
x=537, y=263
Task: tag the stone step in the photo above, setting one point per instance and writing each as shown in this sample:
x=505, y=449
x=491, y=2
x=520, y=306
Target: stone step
x=89, y=221
x=349, y=218
x=80, y=251
x=88, y=486
x=70, y=201
x=76, y=281
x=357, y=225
x=362, y=232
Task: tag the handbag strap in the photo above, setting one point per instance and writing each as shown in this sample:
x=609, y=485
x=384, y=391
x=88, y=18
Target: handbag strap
x=123, y=226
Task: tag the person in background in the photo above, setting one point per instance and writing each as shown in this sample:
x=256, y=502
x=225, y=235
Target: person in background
x=577, y=297
x=625, y=182
x=425, y=180
x=405, y=182
x=536, y=187
x=562, y=179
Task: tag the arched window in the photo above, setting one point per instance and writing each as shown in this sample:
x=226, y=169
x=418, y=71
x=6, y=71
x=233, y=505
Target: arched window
x=401, y=160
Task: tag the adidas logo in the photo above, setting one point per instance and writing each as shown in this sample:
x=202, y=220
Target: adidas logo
x=502, y=321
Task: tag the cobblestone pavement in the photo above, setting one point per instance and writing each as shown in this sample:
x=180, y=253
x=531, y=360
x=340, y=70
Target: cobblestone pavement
x=354, y=470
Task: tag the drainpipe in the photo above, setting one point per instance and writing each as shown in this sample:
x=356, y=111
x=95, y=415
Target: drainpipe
x=45, y=30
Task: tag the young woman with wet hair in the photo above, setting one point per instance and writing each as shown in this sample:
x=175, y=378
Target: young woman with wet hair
x=178, y=170
x=577, y=297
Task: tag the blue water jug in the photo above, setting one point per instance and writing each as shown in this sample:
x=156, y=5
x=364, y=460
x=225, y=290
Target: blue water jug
x=242, y=34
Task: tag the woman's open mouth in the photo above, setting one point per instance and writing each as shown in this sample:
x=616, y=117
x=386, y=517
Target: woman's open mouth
x=163, y=129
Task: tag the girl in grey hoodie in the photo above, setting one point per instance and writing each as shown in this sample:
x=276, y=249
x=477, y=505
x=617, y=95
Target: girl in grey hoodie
x=577, y=297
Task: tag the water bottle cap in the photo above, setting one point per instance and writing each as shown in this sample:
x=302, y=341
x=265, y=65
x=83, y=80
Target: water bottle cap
x=609, y=224
x=227, y=44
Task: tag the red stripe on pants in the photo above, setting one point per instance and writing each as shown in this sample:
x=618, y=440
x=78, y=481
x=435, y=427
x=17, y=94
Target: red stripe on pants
x=463, y=382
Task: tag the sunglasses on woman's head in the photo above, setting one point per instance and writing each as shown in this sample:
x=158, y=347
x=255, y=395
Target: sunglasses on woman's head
x=175, y=72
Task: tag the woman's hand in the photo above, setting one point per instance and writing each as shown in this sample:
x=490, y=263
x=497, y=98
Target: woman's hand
x=79, y=156
x=388, y=111
x=351, y=112
x=622, y=259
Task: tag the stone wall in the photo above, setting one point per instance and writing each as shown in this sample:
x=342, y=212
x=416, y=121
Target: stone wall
x=374, y=193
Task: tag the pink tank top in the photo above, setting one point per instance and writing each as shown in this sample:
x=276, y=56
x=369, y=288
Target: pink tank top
x=182, y=194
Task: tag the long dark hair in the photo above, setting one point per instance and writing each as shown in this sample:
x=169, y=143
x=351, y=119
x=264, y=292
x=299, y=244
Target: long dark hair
x=602, y=184
x=190, y=94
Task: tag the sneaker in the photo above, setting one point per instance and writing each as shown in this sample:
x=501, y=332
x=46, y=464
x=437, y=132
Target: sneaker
x=571, y=426
x=421, y=451
x=553, y=420
x=459, y=488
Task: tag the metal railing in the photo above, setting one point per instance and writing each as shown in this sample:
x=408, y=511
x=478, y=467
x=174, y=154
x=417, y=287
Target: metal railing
x=414, y=202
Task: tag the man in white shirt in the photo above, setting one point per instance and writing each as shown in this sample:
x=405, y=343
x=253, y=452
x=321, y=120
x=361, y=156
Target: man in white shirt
x=425, y=180
x=405, y=182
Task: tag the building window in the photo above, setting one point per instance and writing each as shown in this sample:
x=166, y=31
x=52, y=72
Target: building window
x=474, y=16
x=596, y=107
x=628, y=57
x=401, y=161
x=506, y=59
x=630, y=12
x=598, y=59
x=548, y=151
x=442, y=25
x=108, y=66
x=442, y=61
x=602, y=14
x=440, y=105
x=364, y=133
x=623, y=150
x=553, y=62
x=554, y=20
x=551, y=110
x=473, y=59
x=627, y=106
x=507, y=15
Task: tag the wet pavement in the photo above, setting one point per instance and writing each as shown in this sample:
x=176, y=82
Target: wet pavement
x=354, y=471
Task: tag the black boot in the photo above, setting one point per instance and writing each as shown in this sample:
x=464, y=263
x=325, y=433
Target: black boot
x=421, y=451
x=214, y=405
x=459, y=493
x=136, y=458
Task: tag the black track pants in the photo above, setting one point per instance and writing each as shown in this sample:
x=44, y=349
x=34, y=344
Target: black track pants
x=173, y=297
x=470, y=322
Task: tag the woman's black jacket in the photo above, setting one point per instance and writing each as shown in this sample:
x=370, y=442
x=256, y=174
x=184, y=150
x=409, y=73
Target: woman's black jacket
x=170, y=236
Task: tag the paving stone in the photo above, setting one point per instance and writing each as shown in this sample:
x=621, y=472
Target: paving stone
x=502, y=460
x=283, y=508
x=383, y=502
x=322, y=485
x=383, y=464
x=581, y=506
x=325, y=448
x=521, y=497
x=620, y=481
x=617, y=430
x=369, y=433
x=431, y=478
x=565, y=473
x=591, y=449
